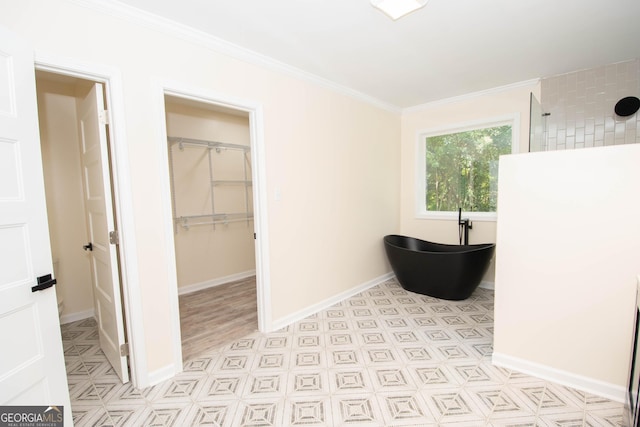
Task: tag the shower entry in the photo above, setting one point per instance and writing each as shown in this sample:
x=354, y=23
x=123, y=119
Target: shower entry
x=589, y=108
x=210, y=170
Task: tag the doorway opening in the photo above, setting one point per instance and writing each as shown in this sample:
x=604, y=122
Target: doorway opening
x=80, y=204
x=211, y=176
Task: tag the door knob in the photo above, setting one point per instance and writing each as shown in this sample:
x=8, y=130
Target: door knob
x=88, y=247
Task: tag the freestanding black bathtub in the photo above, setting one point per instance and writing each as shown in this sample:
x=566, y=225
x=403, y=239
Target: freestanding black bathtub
x=449, y=272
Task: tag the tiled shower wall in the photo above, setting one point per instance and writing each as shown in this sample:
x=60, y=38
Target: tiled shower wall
x=581, y=107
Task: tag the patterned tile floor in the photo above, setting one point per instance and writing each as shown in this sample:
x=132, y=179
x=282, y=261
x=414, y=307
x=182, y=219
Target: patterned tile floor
x=385, y=357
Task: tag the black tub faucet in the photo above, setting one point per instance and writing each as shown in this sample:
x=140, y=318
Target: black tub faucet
x=464, y=225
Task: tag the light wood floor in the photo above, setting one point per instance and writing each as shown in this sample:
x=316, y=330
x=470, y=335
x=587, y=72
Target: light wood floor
x=216, y=316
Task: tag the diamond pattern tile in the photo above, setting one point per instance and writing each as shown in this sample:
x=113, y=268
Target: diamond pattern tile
x=224, y=386
x=404, y=408
x=308, y=413
x=349, y=381
x=354, y=411
x=385, y=357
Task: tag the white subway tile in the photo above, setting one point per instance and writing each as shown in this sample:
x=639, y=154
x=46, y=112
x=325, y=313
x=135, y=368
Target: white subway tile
x=562, y=134
x=609, y=138
x=609, y=124
x=589, y=126
x=581, y=106
x=571, y=128
x=589, y=141
x=552, y=145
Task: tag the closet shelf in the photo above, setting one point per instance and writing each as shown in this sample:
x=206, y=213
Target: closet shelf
x=208, y=144
x=231, y=182
x=194, y=220
x=213, y=148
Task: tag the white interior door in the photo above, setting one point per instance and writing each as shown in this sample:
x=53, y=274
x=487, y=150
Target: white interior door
x=100, y=221
x=32, y=370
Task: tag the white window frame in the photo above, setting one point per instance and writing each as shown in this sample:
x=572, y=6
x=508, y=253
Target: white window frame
x=421, y=168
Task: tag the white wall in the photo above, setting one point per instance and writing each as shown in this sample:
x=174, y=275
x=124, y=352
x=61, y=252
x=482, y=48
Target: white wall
x=63, y=184
x=332, y=157
x=512, y=100
x=208, y=255
x=568, y=254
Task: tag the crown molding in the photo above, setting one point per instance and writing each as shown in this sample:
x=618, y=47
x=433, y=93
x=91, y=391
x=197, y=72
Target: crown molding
x=139, y=17
x=468, y=96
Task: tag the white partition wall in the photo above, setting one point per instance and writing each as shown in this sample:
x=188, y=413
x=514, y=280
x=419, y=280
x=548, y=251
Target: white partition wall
x=567, y=258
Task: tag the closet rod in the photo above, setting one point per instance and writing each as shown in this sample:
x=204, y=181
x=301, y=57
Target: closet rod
x=186, y=224
x=218, y=215
x=230, y=182
x=208, y=144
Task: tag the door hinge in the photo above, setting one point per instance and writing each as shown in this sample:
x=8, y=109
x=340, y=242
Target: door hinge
x=114, y=237
x=124, y=349
x=103, y=117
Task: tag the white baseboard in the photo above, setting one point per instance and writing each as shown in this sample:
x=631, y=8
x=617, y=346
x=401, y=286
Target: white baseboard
x=485, y=284
x=302, y=314
x=162, y=374
x=80, y=315
x=182, y=290
x=569, y=379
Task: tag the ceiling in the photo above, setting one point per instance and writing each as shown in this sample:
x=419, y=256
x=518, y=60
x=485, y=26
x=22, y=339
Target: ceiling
x=446, y=49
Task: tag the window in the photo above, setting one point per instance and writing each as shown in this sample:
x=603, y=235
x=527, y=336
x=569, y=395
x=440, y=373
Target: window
x=460, y=168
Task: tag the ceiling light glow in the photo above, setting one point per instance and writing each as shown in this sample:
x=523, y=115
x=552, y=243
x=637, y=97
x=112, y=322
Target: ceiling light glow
x=395, y=9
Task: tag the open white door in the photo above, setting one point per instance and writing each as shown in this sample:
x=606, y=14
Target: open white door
x=102, y=232
x=32, y=370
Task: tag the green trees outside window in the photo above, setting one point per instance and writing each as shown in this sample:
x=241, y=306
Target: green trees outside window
x=462, y=169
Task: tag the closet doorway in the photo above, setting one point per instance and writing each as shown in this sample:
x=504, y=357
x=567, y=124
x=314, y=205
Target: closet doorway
x=210, y=170
x=75, y=142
